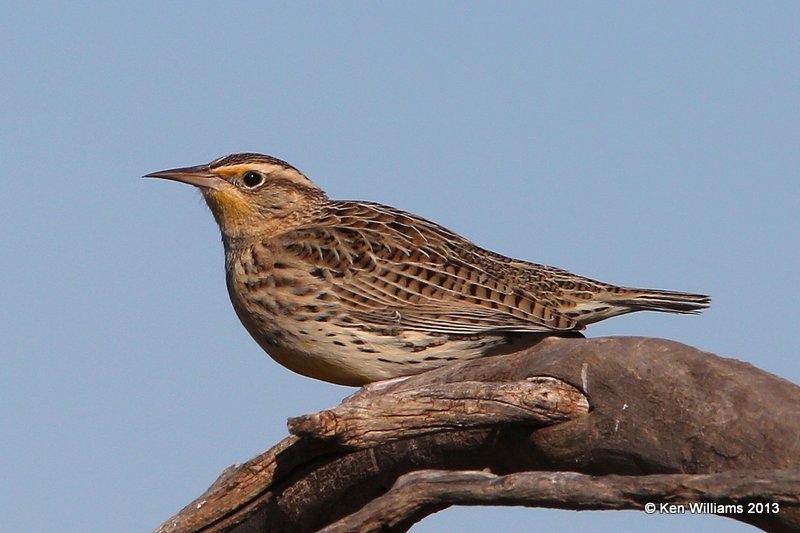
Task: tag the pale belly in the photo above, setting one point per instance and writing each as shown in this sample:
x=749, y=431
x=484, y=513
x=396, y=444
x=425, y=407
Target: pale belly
x=313, y=336
x=351, y=356
x=318, y=345
x=365, y=361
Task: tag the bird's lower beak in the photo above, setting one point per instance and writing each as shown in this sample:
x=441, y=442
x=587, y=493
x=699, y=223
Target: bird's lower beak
x=199, y=176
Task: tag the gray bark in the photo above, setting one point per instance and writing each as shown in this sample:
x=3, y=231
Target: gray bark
x=639, y=419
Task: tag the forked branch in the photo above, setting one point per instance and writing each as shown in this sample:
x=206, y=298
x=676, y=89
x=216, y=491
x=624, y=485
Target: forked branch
x=571, y=423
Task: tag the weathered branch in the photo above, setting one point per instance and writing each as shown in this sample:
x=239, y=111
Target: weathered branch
x=417, y=494
x=660, y=412
x=404, y=413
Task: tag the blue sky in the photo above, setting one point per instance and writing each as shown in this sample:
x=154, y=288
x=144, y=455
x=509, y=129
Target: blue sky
x=641, y=143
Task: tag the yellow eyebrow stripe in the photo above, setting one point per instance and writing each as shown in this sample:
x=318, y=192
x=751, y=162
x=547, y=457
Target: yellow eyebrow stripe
x=232, y=170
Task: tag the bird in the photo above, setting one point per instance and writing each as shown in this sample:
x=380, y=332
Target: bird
x=355, y=292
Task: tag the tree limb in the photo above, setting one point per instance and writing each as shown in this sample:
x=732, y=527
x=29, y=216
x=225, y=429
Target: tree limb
x=535, y=401
x=417, y=494
x=647, y=410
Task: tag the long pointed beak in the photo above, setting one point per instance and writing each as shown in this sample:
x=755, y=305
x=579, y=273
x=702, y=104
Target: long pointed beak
x=199, y=176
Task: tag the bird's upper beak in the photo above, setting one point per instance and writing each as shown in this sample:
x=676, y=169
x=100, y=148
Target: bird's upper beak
x=199, y=176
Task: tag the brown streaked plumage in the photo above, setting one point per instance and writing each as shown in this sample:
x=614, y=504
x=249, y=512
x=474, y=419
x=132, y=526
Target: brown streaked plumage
x=354, y=292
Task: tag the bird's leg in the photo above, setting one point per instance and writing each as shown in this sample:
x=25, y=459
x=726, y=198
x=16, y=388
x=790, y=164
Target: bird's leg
x=380, y=385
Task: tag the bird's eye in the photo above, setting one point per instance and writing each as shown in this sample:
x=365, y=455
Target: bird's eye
x=252, y=179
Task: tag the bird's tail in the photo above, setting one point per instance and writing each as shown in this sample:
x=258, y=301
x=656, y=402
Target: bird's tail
x=664, y=301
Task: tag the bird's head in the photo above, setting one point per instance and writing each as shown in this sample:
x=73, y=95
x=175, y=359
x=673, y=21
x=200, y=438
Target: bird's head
x=250, y=194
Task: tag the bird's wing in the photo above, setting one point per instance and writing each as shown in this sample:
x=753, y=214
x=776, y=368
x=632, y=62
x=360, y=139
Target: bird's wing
x=398, y=273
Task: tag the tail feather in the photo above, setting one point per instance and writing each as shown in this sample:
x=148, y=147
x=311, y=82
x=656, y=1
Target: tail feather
x=664, y=301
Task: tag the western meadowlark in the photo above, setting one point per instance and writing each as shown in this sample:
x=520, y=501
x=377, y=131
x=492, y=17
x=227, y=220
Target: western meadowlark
x=354, y=292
